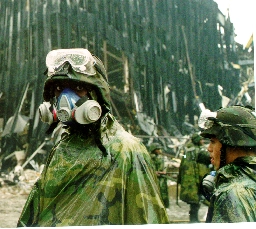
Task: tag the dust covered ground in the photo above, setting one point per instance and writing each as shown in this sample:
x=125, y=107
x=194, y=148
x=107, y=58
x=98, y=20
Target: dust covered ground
x=11, y=204
x=13, y=197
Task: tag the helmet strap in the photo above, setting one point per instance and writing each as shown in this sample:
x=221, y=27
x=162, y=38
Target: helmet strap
x=223, y=155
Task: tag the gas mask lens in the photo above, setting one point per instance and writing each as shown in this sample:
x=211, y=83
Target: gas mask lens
x=80, y=60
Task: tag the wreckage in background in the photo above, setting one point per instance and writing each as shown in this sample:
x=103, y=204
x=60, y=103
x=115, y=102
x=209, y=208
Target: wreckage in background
x=163, y=59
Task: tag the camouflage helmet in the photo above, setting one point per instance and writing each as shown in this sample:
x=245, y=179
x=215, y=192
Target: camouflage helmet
x=154, y=146
x=76, y=65
x=233, y=126
x=196, y=138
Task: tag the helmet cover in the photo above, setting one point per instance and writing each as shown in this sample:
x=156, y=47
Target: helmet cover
x=154, y=146
x=196, y=138
x=233, y=126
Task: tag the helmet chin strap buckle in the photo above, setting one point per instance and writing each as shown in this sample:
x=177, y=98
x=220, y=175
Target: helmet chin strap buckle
x=223, y=155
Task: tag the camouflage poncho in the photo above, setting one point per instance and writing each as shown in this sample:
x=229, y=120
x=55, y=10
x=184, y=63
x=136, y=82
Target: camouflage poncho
x=81, y=187
x=158, y=162
x=234, y=199
x=193, y=167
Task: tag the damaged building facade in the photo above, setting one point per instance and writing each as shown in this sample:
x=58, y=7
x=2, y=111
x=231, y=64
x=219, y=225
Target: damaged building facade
x=163, y=58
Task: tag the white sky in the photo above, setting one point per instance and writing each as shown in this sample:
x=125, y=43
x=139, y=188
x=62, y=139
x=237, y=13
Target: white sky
x=242, y=15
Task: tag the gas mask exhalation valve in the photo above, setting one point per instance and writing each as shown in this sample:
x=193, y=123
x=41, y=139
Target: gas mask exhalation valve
x=64, y=113
x=66, y=105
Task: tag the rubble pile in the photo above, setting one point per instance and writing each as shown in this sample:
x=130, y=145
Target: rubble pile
x=18, y=181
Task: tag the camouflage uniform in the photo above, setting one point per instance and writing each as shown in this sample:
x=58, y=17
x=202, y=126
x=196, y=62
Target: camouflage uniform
x=234, y=197
x=82, y=186
x=194, y=166
x=158, y=162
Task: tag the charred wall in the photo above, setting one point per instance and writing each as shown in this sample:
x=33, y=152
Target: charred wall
x=169, y=54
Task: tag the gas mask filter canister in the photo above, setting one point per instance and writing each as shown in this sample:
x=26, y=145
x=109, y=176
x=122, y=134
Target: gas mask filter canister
x=45, y=113
x=89, y=112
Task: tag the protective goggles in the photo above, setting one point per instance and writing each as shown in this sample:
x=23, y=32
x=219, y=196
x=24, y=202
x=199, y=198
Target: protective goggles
x=81, y=60
x=204, y=122
x=207, y=119
x=214, y=121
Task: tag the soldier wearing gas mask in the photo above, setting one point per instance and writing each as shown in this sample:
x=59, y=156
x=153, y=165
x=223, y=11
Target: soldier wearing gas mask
x=232, y=148
x=98, y=173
